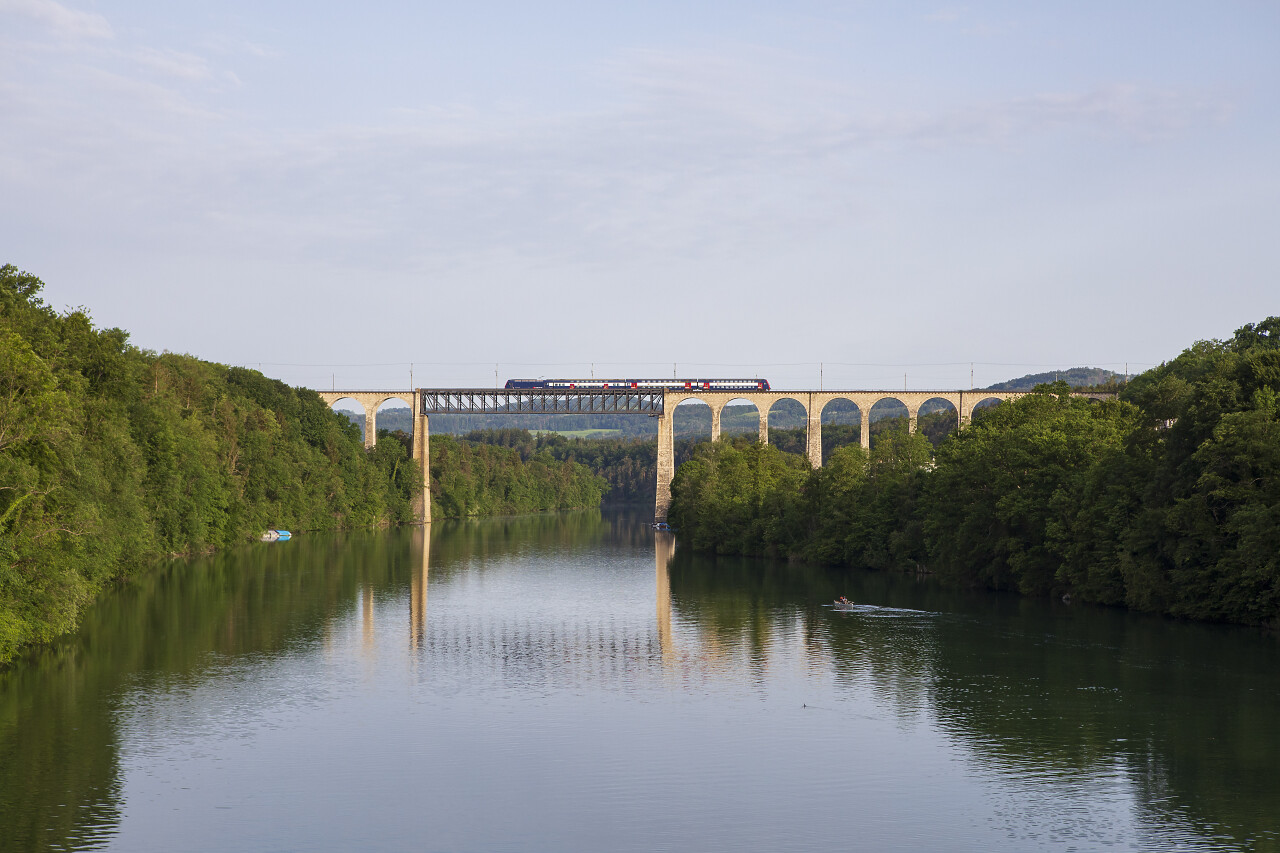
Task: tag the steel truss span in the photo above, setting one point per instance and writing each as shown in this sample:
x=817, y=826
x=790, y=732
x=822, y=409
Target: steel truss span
x=545, y=401
x=639, y=384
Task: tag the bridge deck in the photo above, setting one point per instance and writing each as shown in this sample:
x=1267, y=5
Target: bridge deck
x=597, y=401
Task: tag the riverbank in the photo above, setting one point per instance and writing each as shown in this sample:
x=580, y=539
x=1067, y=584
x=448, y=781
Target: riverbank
x=1166, y=501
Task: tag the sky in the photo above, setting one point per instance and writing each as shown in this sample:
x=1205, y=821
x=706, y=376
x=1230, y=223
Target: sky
x=857, y=195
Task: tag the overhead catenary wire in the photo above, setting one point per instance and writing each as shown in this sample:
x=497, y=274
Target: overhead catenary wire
x=1056, y=365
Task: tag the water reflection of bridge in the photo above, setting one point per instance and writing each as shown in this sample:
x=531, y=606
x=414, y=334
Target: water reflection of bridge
x=527, y=645
x=518, y=641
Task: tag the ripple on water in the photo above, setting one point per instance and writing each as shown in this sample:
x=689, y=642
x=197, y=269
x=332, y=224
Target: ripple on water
x=530, y=694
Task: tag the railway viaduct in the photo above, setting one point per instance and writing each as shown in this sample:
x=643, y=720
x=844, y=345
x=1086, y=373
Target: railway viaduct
x=657, y=403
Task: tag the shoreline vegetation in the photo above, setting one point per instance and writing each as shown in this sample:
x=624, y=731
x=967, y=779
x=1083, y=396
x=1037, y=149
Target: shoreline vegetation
x=113, y=457
x=1166, y=500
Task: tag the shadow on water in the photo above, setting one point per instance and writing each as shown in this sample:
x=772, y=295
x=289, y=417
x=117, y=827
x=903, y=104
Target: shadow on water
x=1033, y=689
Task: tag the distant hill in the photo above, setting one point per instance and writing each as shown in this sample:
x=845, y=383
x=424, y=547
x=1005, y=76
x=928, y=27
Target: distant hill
x=1076, y=377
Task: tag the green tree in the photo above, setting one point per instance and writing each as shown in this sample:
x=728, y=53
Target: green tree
x=111, y=456
x=988, y=505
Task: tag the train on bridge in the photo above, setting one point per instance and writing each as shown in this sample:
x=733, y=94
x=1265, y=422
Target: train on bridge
x=639, y=384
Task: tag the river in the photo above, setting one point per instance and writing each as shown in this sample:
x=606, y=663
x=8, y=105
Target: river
x=570, y=683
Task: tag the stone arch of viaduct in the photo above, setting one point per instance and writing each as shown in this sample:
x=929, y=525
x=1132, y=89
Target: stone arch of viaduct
x=370, y=401
x=813, y=402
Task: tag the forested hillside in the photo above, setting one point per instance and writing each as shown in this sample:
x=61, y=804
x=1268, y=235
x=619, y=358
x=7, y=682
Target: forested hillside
x=1076, y=377
x=111, y=456
x=1167, y=500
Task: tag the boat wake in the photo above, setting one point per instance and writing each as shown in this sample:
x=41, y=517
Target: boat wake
x=876, y=610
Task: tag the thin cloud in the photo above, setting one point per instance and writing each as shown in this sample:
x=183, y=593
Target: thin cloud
x=173, y=63
x=961, y=19
x=65, y=22
x=1114, y=109
x=689, y=156
x=749, y=108
x=669, y=171
x=223, y=45
x=947, y=15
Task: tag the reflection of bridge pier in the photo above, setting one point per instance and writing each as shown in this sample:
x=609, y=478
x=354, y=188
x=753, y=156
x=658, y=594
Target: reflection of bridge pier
x=664, y=545
x=418, y=586
x=368, y=634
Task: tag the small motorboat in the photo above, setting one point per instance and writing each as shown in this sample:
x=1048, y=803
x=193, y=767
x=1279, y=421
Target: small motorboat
x=843, y=603
x=277, y=536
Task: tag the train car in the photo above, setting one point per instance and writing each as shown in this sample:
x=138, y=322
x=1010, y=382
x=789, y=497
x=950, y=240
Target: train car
x=640, y=384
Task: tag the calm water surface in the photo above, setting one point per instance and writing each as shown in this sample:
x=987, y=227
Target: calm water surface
x=566, y=683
